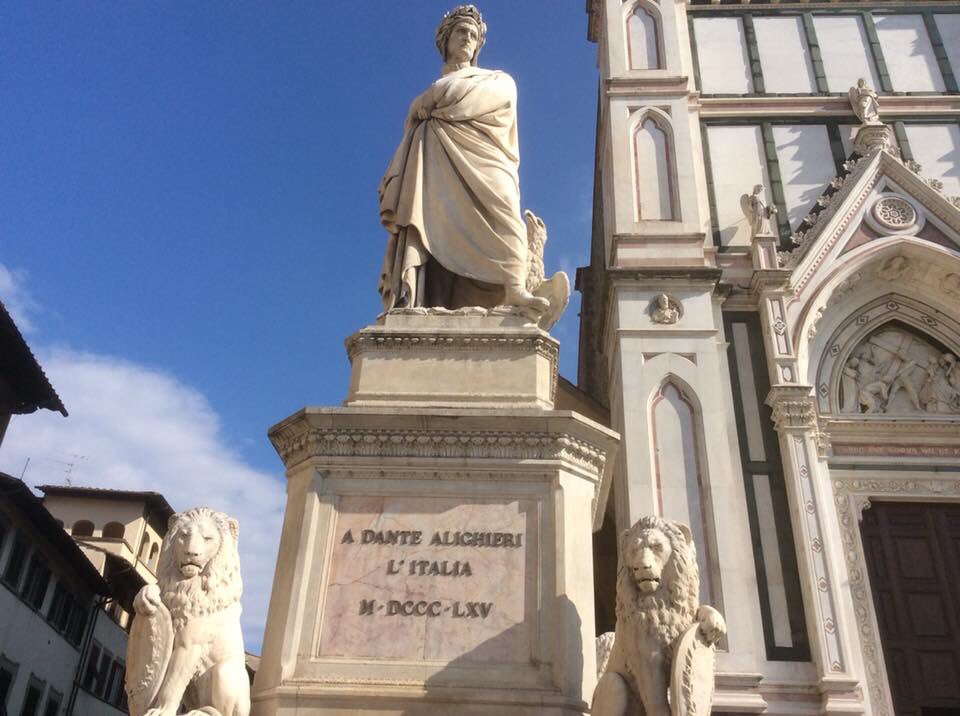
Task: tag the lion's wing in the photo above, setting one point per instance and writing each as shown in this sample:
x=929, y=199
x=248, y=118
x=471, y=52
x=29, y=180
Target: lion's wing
x=691, y=683
x=148, y=651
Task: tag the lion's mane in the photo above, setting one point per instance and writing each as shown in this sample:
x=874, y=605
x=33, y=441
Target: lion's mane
x=668, y=612
x=217, y=587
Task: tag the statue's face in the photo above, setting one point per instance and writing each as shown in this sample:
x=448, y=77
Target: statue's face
x=647, y=557
x=196, y=544
x=462, y=42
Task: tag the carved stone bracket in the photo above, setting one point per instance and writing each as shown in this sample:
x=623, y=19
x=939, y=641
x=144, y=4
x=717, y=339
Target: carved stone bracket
x=794, y=408
x=874, y=137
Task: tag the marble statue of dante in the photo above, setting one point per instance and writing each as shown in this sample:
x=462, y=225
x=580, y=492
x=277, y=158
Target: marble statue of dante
x=450, y=198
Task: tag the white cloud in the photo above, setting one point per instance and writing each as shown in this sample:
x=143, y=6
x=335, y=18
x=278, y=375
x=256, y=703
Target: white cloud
x=18, y=301
x=136, y=428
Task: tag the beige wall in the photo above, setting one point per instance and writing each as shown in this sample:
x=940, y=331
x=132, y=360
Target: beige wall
x=99, y=511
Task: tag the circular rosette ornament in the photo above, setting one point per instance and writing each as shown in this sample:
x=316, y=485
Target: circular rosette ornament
x=894, y=214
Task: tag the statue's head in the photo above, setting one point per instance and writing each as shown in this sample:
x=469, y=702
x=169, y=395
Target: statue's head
x=197, y=538
x=648, y=551
x=461, y=34
x=658, y=559
x=199, y=550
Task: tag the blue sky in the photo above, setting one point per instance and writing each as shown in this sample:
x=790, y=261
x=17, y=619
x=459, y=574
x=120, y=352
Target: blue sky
x=189, y=223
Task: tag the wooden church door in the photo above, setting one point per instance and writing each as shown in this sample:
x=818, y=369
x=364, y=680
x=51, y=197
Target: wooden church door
x=913, y=560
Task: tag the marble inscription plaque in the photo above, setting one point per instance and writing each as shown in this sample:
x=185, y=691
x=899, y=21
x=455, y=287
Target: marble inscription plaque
x=432, y=579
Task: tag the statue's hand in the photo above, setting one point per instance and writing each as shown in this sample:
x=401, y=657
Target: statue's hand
x=712, y=624
x=422, y=106
x=147, y=600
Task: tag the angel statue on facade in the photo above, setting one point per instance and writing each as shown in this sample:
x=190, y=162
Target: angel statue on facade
x=865, y=103
x=757, y=213
x=450, y=198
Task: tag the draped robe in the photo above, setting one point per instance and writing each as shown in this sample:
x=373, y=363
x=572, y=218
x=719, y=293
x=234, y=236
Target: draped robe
x=452, y=191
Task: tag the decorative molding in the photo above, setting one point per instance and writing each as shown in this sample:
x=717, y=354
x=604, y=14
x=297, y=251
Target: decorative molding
x=692, y=357
x=330, y=679
x=420, y=340
x=824, y=597
x=818, y=105
x=887, y=449
x=296, y=443
x=848, y=193
x=839, y=190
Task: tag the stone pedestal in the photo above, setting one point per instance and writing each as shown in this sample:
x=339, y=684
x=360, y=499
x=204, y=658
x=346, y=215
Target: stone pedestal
x=436, y=557
x=472, y=357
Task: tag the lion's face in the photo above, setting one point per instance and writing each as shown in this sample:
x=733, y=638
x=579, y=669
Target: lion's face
x=646, y=557
x=657, y=583
x=195, y=545
x=199, y=567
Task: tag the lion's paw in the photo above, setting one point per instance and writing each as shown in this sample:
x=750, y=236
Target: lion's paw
x=712, y=625
x=147, y=600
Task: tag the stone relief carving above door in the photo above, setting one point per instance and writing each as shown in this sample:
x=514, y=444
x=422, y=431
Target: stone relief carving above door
x=894, y=371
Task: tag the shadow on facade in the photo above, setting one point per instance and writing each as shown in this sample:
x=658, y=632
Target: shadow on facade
x=548, y=671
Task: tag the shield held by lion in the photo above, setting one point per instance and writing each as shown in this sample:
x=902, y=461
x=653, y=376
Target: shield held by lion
x=148, y=652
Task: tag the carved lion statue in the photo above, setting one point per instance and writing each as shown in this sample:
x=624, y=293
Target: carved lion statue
x=664, y=642
x=185, y=646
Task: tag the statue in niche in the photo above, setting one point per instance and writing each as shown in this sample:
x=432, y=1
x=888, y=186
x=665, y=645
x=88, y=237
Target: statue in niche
x=895, y=372
x=185, y=646
x=665, y=309
x=865, y=103
x=665, y=641
x=450, y=198
x=757, y=213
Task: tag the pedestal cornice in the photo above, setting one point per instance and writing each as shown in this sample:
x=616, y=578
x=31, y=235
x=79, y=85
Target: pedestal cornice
x=363, y=435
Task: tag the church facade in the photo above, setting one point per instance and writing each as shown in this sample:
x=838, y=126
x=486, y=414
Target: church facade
x=772, y=315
